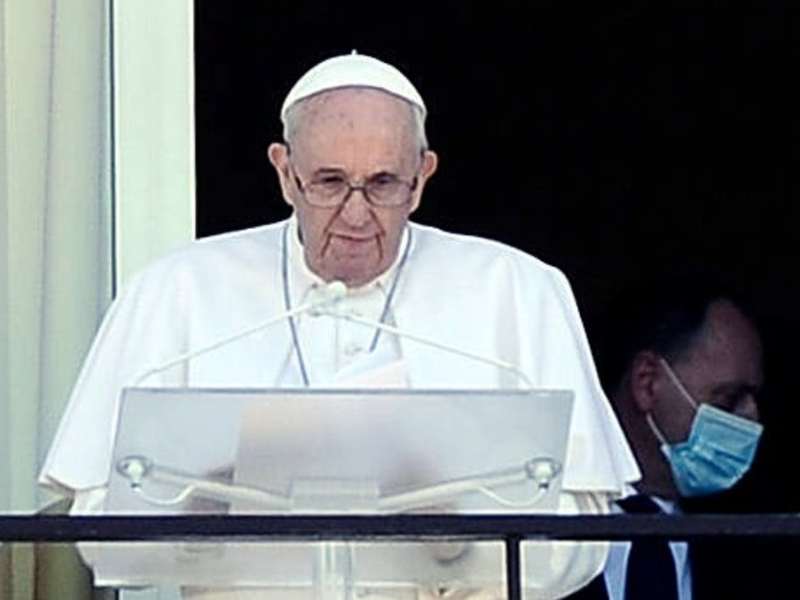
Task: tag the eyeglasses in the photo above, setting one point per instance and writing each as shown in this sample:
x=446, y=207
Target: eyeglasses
x=332, y=190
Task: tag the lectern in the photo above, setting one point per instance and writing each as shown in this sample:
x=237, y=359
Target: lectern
x=329, y=452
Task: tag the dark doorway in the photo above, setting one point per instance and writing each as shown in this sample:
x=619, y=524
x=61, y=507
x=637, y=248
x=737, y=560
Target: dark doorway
x=612, y=143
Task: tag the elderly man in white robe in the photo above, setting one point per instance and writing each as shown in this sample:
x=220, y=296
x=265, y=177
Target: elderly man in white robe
x=353, y=166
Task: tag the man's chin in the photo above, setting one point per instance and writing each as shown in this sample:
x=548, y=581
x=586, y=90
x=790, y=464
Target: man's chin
x=356, y=275
x=353, y=268
x=356, y=280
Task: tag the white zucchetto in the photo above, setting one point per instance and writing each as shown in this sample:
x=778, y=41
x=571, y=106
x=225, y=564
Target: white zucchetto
x=352, y=70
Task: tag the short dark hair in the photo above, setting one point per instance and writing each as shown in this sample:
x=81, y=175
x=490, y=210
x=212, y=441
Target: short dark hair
x=664, y=315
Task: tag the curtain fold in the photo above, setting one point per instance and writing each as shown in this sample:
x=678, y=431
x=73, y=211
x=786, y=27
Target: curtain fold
x=76, y=245
x=59, y=229
x=58, y=207
x=55, y=252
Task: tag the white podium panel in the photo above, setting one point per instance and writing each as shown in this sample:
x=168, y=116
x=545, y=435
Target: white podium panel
x=288, y=452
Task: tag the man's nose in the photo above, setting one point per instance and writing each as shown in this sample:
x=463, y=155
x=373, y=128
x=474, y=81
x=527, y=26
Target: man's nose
x=356, y=210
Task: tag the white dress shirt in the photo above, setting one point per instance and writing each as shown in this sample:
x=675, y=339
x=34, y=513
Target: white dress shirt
x=617, y=566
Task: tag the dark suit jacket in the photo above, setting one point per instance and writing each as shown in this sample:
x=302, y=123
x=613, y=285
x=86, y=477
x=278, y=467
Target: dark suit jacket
x=730, y=568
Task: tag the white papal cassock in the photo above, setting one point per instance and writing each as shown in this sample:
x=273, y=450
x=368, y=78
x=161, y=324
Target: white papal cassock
x=474, y=294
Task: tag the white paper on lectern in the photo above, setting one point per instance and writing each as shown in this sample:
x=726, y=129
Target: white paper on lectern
x=414, y=438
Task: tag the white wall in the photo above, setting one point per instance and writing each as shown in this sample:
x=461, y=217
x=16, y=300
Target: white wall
x=154, y=129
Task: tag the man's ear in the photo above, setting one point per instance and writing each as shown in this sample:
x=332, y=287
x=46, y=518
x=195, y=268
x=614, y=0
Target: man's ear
x=643, y=380
x=279, y=157
x=430, y=161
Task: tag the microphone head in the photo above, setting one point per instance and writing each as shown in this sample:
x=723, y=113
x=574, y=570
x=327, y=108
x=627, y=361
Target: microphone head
x=327, y=297
x=335, y=290
x=135, y=468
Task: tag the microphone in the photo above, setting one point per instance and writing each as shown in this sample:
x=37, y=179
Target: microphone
x=139, y=469
x=500, y=364
x=324, y=297
x=538, y=472
x=328, y=295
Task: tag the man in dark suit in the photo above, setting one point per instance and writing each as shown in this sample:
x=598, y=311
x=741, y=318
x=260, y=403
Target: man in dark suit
x=683, y=370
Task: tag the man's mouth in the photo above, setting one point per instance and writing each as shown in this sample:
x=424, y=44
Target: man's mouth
x=346, y=244
x=353, y=238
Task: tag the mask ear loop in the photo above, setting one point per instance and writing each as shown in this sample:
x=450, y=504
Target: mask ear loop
x=684, y=392
x=679, y=384
x=656, y=431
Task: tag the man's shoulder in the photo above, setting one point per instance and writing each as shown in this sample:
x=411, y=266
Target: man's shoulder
x=242, y=243
x=474, y=252
x=257, y=246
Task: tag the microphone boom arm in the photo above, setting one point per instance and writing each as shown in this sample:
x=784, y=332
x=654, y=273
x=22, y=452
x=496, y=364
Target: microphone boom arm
x=429, y=342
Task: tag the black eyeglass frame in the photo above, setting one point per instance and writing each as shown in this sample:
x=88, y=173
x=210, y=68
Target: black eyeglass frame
x=345, y=195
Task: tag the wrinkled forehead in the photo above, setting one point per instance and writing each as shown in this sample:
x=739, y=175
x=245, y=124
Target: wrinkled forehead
x=353, y=117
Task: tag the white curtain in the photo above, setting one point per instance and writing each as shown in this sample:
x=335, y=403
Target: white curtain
x=56, y=227
x=70, y=225
x=55, y=259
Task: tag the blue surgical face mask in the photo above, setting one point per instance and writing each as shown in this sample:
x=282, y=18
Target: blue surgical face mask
x=718, y=452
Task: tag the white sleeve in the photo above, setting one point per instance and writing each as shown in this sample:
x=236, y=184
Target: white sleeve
x=142, y=327
x=89, y=502
x=549, y=569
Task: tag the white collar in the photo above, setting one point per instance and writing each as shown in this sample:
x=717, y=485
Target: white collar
x=669, y=507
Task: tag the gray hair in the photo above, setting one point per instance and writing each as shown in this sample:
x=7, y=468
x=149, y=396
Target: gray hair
x=294, y=116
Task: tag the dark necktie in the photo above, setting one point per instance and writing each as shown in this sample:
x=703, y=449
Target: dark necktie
x=651, y=571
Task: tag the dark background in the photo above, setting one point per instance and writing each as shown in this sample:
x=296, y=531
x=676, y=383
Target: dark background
x=615, y=143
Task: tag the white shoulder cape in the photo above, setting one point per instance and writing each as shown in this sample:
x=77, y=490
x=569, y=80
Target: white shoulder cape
x=462, y=291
